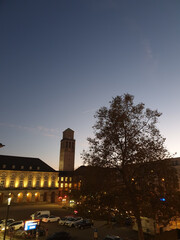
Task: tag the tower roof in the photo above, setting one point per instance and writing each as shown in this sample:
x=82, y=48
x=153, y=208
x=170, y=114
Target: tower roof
x=68, y=134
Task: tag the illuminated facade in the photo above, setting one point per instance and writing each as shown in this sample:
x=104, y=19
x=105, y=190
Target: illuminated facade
x=27, y=179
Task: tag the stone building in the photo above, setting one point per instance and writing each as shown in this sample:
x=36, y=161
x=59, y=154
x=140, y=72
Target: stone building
x=27, y=180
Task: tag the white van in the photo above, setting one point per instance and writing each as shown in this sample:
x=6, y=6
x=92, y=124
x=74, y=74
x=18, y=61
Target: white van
x=39, y=213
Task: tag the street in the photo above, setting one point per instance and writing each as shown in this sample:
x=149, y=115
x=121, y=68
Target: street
x=23, y=213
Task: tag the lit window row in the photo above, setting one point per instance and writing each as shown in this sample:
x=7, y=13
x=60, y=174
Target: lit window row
x=26, y=184
x=66, y=179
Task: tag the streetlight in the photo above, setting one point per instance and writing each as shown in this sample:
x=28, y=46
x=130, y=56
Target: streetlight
x=7, y=214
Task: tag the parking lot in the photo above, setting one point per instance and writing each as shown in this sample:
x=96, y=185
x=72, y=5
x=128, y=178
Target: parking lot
x=23, y=213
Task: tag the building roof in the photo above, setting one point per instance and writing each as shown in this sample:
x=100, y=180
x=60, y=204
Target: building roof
x=23, y=164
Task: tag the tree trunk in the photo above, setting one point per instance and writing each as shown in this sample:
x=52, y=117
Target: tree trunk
x=140, y=230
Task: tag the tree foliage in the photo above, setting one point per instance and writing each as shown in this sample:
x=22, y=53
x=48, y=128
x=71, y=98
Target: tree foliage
x=128, y=140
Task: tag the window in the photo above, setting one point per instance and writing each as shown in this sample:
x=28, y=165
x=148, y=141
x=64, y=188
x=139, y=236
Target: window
x=66, y=144
x=70, y=185
x=62, y=179
x=37, y=183
x=30, y=168
x=13, y=166
x=66, y=178
x=20, y=183
x=38, y=168
x=69, y=144
x=61, y=185
x=2, y=183
x=66, y=185
x=53, y=184
x=22, y=167
x=45, y=183
x=11, y=183
x=70, y=179
x=4, y=165
x=29, y=183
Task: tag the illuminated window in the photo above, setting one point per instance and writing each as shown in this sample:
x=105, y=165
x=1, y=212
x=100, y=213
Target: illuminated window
x=62, y=179
x=70, y=179
x=13, y=166
x=22, y=167
x=30, y=168
x=66, y=178
x=61, y=185
x=70, y=185
x=66, y=185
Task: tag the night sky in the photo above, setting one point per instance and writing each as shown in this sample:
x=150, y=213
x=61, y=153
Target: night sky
x=61, y=60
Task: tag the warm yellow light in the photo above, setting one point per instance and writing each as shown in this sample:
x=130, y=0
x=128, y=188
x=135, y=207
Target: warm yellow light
x=42, y=182
x=34, y=183
x=132, y=179
x=25, y=183
x=163, y=179
x=35, y=194
x=16, y=183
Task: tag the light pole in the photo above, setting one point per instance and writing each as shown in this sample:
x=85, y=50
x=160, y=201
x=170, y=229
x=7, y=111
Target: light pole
x=7, y=214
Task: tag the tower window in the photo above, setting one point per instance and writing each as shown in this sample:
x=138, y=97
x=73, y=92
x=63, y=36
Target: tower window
x=66, y=144
x=69, y=144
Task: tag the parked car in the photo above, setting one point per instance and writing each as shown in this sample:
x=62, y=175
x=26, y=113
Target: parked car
x=63, y=220
x=112, y=237
x=2, y=223
x=39, y=213
x=16, y=225
x=40, y=217
x=73, y=221
x=51, y=218
x=85, y=223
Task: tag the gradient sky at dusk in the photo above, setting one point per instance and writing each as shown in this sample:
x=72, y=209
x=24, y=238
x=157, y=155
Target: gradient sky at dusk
x=61, y=60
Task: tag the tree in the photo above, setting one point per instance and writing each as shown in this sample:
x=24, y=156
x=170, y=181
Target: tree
x=127, y=139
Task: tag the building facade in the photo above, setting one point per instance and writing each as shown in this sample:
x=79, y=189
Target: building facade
x=27, y=180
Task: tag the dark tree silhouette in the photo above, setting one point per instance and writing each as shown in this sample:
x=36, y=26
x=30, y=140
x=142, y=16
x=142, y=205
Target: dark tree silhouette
x=127, y=139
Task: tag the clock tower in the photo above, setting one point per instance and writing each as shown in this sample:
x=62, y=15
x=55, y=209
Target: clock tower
x=67, y=151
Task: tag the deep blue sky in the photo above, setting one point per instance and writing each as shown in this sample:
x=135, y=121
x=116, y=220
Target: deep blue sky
x=62, y=60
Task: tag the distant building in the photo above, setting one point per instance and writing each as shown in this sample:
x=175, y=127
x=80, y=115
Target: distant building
x=67, y=151
x=27, y=179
